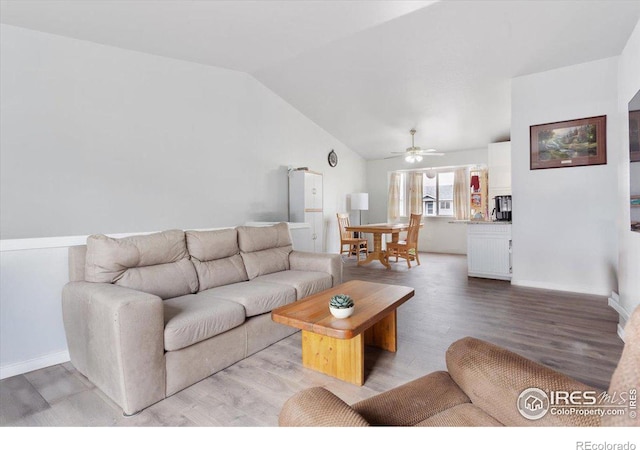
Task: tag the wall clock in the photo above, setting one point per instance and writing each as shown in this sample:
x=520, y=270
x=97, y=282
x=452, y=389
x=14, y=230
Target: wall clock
x=333, y=158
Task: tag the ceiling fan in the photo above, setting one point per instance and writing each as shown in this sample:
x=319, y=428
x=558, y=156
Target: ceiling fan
x=413, y=153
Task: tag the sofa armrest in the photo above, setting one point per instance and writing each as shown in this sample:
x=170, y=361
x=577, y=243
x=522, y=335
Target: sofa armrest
x=116, y=339
x=494, y=378
x=317, y=407
x=330, y=263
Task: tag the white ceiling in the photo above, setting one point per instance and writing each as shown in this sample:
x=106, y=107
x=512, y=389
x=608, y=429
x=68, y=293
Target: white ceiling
x=365, y=71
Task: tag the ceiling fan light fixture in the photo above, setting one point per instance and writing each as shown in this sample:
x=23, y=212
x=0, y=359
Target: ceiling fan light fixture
x=415, y=154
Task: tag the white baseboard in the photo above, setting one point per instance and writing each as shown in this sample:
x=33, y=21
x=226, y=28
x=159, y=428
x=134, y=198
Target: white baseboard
x=561, y=287
x=34, y=364
x=614, y=302
x=620, y=332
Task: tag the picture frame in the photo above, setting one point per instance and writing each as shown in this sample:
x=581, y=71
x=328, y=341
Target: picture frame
x=570, y=143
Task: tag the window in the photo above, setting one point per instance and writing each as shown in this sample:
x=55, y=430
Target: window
x=429, y=209
x=438, y=194
x=437, y=198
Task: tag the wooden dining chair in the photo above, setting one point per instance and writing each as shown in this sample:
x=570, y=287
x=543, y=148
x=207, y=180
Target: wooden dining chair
x=353, y=244
x=407, y=249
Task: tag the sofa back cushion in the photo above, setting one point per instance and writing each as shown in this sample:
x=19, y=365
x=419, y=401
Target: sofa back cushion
x=265, y=250
x=156, y=263
x=216, y=257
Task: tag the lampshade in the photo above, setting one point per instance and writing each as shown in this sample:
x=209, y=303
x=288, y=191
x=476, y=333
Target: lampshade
x=360, y=201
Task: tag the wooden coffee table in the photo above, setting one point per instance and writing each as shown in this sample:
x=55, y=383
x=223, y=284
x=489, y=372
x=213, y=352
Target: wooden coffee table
x=336, y=346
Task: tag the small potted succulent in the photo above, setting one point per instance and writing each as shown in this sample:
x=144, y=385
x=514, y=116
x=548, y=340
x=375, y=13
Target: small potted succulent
x=341, y=306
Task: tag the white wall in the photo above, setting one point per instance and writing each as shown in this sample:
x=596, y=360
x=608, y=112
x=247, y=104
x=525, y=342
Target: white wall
x=438, y=234
x=96, y=139
x=31, y=331
x=565, y=219
x=629, y=256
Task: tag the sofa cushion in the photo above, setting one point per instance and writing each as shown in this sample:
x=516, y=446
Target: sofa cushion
x=254, y=239
x=257, y=298
x=156, y=263
x=164, y=280
x=192, y=318
x=305, y=283
x=215, y=255
x=265, y=250
x=266, y=261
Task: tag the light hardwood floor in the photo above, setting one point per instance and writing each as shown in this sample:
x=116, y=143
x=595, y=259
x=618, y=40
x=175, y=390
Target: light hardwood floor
x=573, y=333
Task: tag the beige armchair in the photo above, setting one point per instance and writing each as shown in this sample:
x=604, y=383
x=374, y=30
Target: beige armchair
x=481, y=387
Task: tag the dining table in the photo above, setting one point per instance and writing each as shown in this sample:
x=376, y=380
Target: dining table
x=378, y=230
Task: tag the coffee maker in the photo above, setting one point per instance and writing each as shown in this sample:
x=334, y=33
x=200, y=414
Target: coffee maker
x=502, y=210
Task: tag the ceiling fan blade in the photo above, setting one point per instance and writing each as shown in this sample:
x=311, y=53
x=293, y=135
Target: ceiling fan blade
x=414, y=151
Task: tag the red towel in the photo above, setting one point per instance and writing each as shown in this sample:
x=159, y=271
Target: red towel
x=475, y=182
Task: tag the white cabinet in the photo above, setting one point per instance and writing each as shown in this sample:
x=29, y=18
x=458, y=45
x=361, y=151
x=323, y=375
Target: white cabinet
x=499, y=167
x=305, y=204
x=489, y=250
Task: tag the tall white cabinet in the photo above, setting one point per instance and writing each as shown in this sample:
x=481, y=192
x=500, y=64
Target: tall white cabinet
x=499, y=165
x=305, y=204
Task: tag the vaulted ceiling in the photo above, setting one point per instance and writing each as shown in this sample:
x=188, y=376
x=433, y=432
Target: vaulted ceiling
x=365, y=71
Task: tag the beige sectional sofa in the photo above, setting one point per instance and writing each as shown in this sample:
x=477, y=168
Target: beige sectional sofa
x=147, y=316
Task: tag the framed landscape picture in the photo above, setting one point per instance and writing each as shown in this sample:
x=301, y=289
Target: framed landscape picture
x=580, y=142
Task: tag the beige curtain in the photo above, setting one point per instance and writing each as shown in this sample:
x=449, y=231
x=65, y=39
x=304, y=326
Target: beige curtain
x=461, y=194
x=393, y=204
x=415, y=192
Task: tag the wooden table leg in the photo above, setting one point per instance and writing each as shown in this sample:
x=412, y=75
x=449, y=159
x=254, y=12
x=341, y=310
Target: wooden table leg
x=383, y=334
x=339, y=358
x=377, y=254
x=344, y=358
